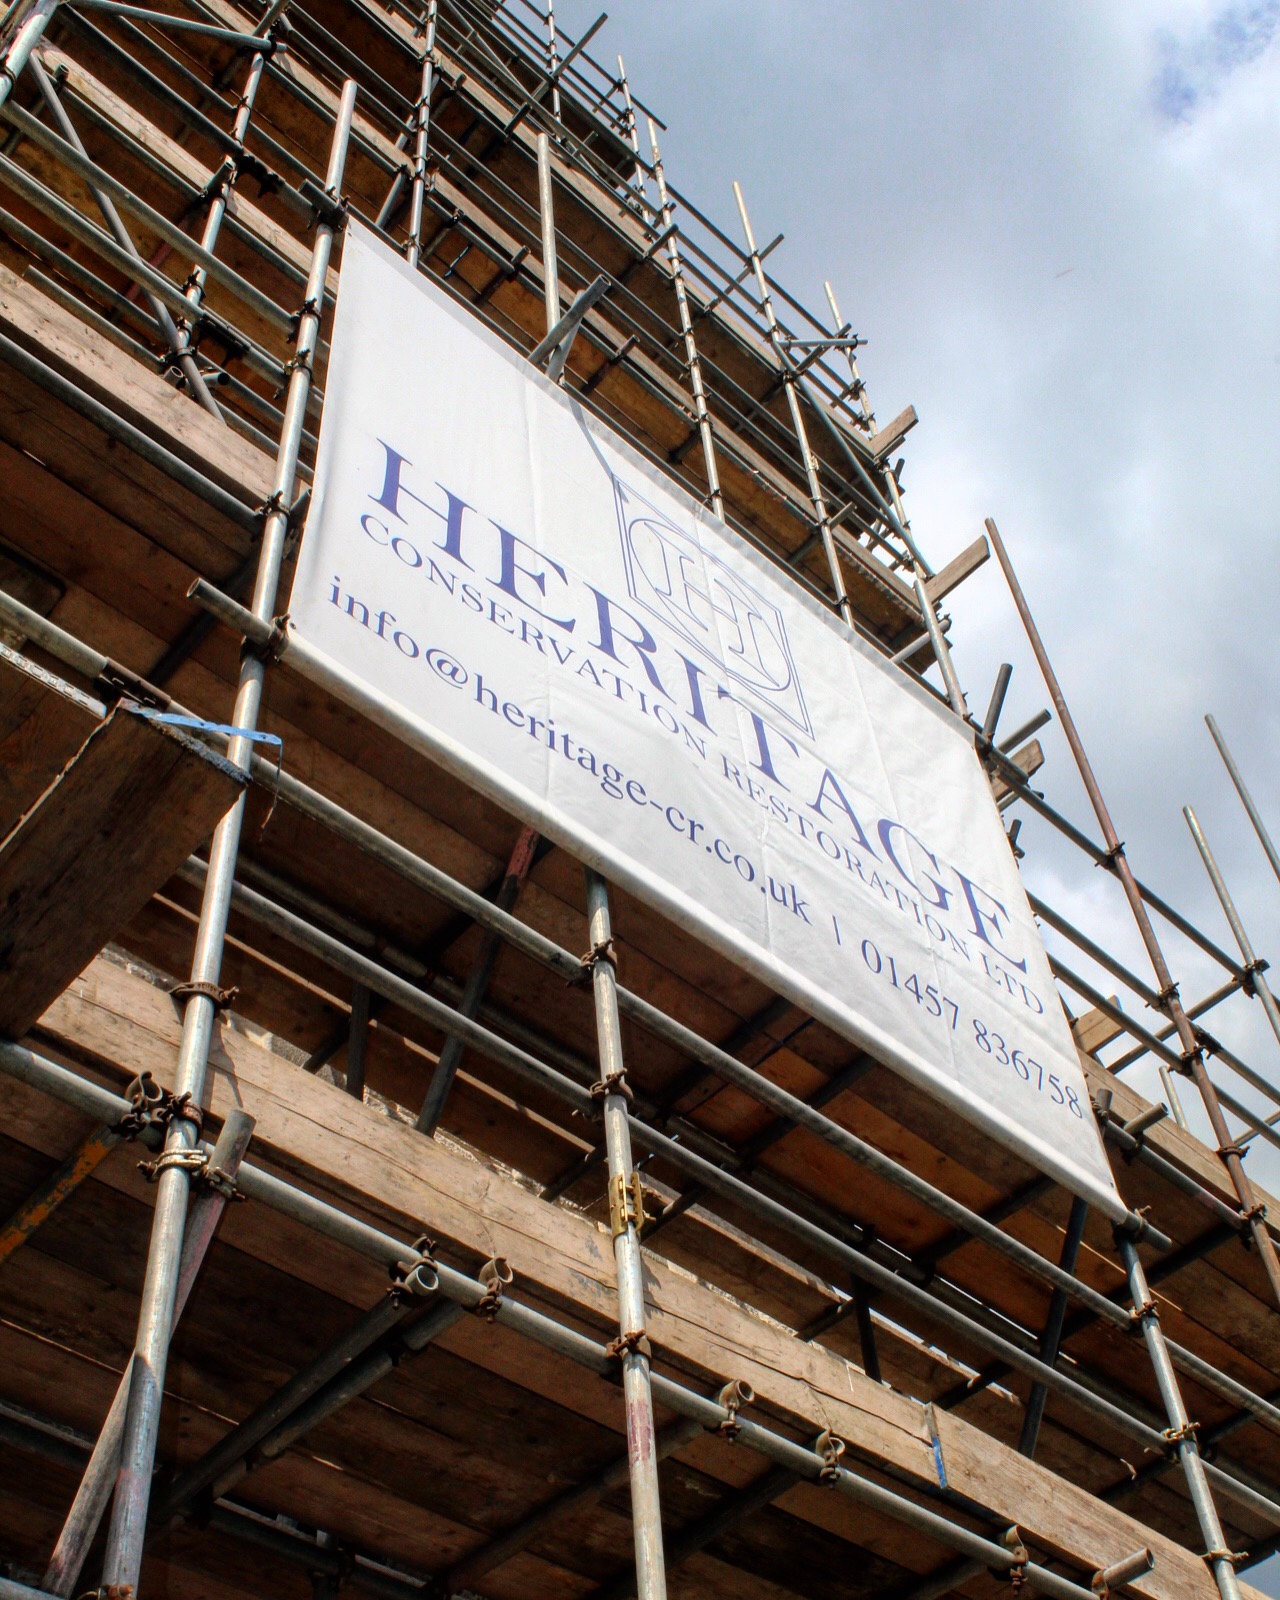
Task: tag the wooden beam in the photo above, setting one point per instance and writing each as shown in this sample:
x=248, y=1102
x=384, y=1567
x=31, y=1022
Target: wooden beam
x=957, y=570
x=890, y=437
x=125, y=811
x=1030, y=758
x=1095, y=1029
x=43, y=722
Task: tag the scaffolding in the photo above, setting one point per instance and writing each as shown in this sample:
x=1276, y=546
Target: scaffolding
x=684, y=1291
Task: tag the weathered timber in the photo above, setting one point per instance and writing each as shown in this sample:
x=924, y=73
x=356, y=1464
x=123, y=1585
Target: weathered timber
x=133, y=802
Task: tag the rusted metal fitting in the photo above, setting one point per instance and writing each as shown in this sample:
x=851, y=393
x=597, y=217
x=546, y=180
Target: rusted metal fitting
x=154, y=1107
x=735, y=1394
x=417, y=1273
x=1178, y=1435
x=830, y=1447
x=193, y=1162
x=612, y=1083
x=604, y=951
x=1224, y=1555
x=633, y=1343
x=1013, y=1543
x=219, y=998
x=109, y=1591
x=495, y=1275
x=1121, y=1572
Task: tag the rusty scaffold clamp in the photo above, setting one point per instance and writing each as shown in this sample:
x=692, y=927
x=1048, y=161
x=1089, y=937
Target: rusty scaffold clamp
x=735, y=1394
x=830, y=1447
x=496, y=1276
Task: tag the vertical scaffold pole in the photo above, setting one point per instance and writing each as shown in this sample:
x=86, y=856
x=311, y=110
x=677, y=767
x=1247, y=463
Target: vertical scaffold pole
x=226, y=181
x=1192, y=1054
x=857, y=389
x=692, y=360
x=633, y=137
x=142, y=1421
x=625, y=1219
x=553, y=59
x=1253, y=969
x=789, y=385
x=422, y=136
x=1181, y=1431
x=1246, y=799
x=550, y=265
x=625, y=1211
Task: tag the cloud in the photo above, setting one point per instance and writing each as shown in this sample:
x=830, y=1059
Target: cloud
x=1192, y=69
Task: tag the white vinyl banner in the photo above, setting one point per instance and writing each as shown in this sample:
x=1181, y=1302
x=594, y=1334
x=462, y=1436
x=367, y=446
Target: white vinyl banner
x=495, y=576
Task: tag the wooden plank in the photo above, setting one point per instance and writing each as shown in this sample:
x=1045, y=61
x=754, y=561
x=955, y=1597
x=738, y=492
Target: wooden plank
x=316, y=1130
x=78, y=352
x=1030, y=758
x=957, y=570
x=1095, y=1029
x=43, y=722
x=131, y=805
x=891, y=436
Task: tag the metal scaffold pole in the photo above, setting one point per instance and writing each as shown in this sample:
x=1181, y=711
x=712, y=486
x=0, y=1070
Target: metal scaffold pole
x=626, y=1216
x=1181, y=1431
x=1246, y=799
x=626, y=1213
x=792, y=391
x=692, y=360
x=422, y=136
x=181, y=1154
x=1192, y=1053
x=1252, y=967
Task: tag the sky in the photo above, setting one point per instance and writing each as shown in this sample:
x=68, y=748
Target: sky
x=1058, y=227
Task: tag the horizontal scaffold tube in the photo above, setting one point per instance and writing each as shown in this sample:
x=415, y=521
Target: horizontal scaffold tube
x=439, y=883
x=921, y=1300
x=806, y=1463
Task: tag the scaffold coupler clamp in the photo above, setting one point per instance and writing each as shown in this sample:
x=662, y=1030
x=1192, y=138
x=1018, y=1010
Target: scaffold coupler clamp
x=219, y=998
x=604, y=951
x=153, y=1108
x=416, y=1274
x=1211, y=1556
x=1112, y=858
x=195, y=1163
x=146, y=1100
x=633, y=1343
x=830, y=1447
x=626, y=1203
x=611, y=1083
x=1181, y=1434
x=1251, y=971
x=735, y=1394
x=495, y=1276
x=109, y=1591
x=1013, y=1543
x=325, y=208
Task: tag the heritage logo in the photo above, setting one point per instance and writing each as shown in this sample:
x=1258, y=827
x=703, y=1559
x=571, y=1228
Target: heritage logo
x=716, y=611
